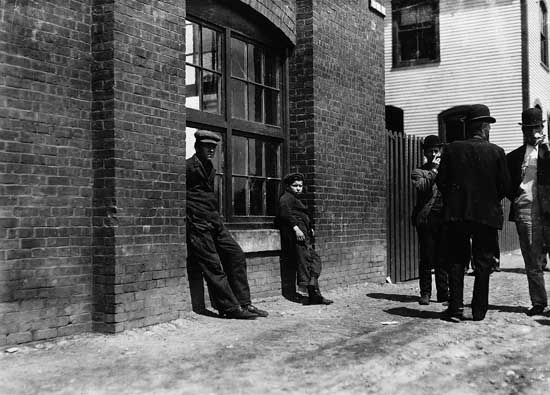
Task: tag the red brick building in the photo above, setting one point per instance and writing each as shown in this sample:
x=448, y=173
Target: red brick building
x=97, y=96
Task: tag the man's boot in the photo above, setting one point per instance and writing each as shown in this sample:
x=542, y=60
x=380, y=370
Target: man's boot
x=314, y=294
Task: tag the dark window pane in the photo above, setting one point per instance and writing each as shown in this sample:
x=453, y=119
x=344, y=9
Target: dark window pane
x=211, y=92
x=254, y=63
x=240, y=148
x=192, y=78
x=238, y=97
x=211, y=49
x=238, y=58
x=255, y=157
x=239, y=196
x=272, y=197
x=408, y=45
x=192, y=42
x=426, y=44
x=272, y=160
x=271, y=107
x=256, y=196
x=272, y=70
x=218, y=190
x=408, y=16
x=254, y=103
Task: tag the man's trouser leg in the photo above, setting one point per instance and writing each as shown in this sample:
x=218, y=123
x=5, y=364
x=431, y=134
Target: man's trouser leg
x=202, y=252
x=441, y=264
x=234, y=263
x=531, y=241
x=427, y=247
x=459, y=255
x=484, y=245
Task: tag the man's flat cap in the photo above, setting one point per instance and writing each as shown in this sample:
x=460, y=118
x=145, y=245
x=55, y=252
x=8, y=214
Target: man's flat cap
x=206, y=136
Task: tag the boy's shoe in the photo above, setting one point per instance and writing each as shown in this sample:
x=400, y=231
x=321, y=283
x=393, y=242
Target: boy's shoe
x=535, y=310
x=238, y=314
x=424, y=300
x=254, y=310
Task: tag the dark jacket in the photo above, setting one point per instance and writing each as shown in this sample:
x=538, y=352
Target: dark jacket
x=515, y=161
x=292, y=212
x=201, y=197
x=473, y=179
x=423, y=180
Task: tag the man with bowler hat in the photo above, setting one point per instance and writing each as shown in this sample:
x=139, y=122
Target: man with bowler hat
x=473, y=179
x=427, y=217
x=529, y=167
x=210, y=247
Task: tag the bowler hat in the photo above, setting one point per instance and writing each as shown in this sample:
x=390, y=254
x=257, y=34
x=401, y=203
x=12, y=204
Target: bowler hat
x=290, y=178
x=206, y=137
x=531, y=117
x=431, y=141
x=480, y=112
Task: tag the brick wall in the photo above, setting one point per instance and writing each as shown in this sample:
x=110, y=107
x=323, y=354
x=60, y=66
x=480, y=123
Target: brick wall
x=45, y=169
x=139, y=163
x=282, y=13
x=337, y=136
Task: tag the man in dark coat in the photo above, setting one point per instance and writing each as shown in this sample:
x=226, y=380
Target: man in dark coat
x=428, y=219
x=209, y=245
x=529, y=167
x=473, y=179
x=297, y=238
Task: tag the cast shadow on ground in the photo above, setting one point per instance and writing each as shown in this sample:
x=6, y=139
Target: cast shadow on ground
x=414, y=313
x=543, y=322
x=394, y=297
x=508, y=309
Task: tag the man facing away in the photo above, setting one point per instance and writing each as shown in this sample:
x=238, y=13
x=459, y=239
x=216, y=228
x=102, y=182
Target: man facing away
x=529, y=167
x=209, y=244
x=427, y=217
x=473, y=179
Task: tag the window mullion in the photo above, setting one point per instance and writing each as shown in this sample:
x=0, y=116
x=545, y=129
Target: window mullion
x=229, y=134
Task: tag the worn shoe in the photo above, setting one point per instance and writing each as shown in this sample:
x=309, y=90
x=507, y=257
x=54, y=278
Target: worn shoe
x=254, y=310
x=239, y=314
x=424, y=299
x=535, y=310
x=453, y=313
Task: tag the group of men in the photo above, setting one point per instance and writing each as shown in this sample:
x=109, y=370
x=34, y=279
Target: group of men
x=459, y=212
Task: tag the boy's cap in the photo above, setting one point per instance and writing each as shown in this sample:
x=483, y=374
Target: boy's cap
x=206, y=136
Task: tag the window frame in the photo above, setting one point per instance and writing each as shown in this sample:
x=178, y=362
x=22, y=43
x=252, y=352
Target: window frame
x=396, y=48
x=544, y=34
x=230, y=126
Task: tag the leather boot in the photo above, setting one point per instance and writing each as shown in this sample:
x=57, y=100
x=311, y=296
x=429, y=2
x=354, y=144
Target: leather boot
x=315, y=296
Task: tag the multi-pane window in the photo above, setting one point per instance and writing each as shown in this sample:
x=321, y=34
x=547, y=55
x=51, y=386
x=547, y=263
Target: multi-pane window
x=254, y=83
x=543, y=34
x=235, y=87
x=203, y=78
x=415, y=38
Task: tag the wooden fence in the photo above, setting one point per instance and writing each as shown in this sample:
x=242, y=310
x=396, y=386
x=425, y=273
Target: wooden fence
x=404, y=154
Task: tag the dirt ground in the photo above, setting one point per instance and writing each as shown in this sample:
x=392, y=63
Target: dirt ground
x=375, y=339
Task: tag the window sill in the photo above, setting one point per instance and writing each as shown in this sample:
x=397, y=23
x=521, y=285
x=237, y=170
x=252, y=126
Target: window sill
x=545, y=67
x=257, y=240
x=428, y=63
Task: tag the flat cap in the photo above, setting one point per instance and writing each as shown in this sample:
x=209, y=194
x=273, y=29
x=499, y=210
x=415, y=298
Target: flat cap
x=206, y=136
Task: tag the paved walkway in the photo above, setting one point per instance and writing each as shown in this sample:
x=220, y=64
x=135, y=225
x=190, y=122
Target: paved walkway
x=375, y=339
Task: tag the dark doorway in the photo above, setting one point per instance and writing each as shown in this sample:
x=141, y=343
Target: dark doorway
x=452, y=125
x=394, y=119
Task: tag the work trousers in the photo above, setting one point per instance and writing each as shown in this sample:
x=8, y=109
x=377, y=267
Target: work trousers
x=533, y=237
x=484, y=243
x=433, y=252
x=211, y=249
x=301, y=255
